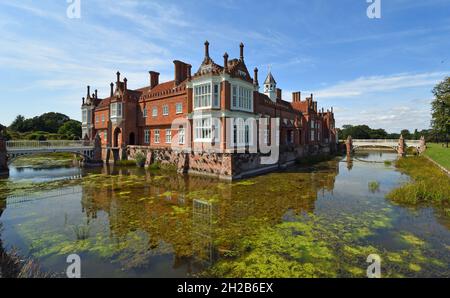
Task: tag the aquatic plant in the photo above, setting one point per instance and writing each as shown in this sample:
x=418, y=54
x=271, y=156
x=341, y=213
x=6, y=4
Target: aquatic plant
x=81, y=232
x=387, y=163
x=125, y=163
x=374, y=186
x=429, y=184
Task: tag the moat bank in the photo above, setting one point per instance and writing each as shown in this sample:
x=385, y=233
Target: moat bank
x=316, y=221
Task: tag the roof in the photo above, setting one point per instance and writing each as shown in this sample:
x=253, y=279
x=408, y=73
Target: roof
x=270, y=79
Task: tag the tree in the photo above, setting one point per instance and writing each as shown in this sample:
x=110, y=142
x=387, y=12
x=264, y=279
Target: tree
x=18, y=124
x=405, y=133
x=71, y=129
x=440, y=106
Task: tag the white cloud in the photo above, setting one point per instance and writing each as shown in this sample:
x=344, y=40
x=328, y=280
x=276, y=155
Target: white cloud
x=378, y=84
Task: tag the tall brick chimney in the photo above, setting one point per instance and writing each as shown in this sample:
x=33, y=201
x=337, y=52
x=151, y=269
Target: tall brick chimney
x=296, y=96
x=241, y=47
x=279, y=93
x=154, y=79
x=112, y=89
x=181, y=71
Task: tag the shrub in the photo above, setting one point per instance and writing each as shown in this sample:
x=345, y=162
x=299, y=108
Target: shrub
x=140, y=159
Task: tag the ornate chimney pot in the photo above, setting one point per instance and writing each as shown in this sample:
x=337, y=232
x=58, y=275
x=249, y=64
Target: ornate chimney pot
x=241, y=46
x=206, y=49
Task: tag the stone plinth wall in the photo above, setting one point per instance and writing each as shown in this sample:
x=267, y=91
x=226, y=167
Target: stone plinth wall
x=223, y=165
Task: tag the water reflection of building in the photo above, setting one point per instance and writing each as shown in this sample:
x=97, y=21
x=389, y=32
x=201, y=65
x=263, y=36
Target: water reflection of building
x=199, y=218
x=202, y=225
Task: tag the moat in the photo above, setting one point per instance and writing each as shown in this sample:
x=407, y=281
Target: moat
x=322, y=220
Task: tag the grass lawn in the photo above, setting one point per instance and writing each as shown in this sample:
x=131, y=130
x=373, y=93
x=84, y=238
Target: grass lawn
x=439, y=154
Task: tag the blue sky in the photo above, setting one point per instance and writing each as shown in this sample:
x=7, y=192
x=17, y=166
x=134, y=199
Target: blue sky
x=378, y=72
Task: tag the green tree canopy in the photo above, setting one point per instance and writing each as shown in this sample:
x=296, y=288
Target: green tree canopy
x=440, y=107
x=71, y=129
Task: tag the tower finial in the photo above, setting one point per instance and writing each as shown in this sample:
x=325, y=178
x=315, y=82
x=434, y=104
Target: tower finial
x=206, y=49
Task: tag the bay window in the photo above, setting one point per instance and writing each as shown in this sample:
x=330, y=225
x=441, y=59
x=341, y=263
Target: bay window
x=206, y=129
x=84, y=116
x=116, y=110
x=242, y=98
x=207, y=95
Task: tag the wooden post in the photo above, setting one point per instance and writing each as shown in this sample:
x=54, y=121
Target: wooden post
x=401, y=149
x=349, y=145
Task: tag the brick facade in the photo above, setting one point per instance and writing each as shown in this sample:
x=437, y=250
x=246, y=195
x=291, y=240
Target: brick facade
x=144, y=117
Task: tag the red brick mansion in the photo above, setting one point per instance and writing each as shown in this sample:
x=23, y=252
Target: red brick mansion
x=213, y=121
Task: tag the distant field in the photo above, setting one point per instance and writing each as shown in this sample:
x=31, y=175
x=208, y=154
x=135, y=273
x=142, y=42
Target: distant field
x=439, y=154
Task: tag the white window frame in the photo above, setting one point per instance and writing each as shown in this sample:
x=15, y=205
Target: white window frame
x=206, y=94
x=155, y=112
x=178, y=108
x=156, y=136
x=84, y=114
x=147, y=136
x=144, y=112
x=181, y=136
x=241, y=97
x=165, y=110
x=206, y=129
x=116, y=110
x=242, y=133
x=168, y=136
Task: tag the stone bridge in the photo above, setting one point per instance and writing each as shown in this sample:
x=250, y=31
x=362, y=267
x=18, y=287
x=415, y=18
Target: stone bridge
x=399, y=145
x=10, y=150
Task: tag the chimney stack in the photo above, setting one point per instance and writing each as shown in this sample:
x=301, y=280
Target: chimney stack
x=225, y=62
x=154, y=79
x=118, y=77
x=241, y=46
x=279, y=93
x=181, y=71
x=88, y=92
x=206, y=49
x=112, y=89
x=83, y=100
x=189, y=71
x=296, y=96
x=96, y=94
x=125, y=87
x=255, y=77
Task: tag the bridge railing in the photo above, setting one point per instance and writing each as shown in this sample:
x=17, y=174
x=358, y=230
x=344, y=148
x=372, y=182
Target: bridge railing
x=51, y=144
x=384, y=141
